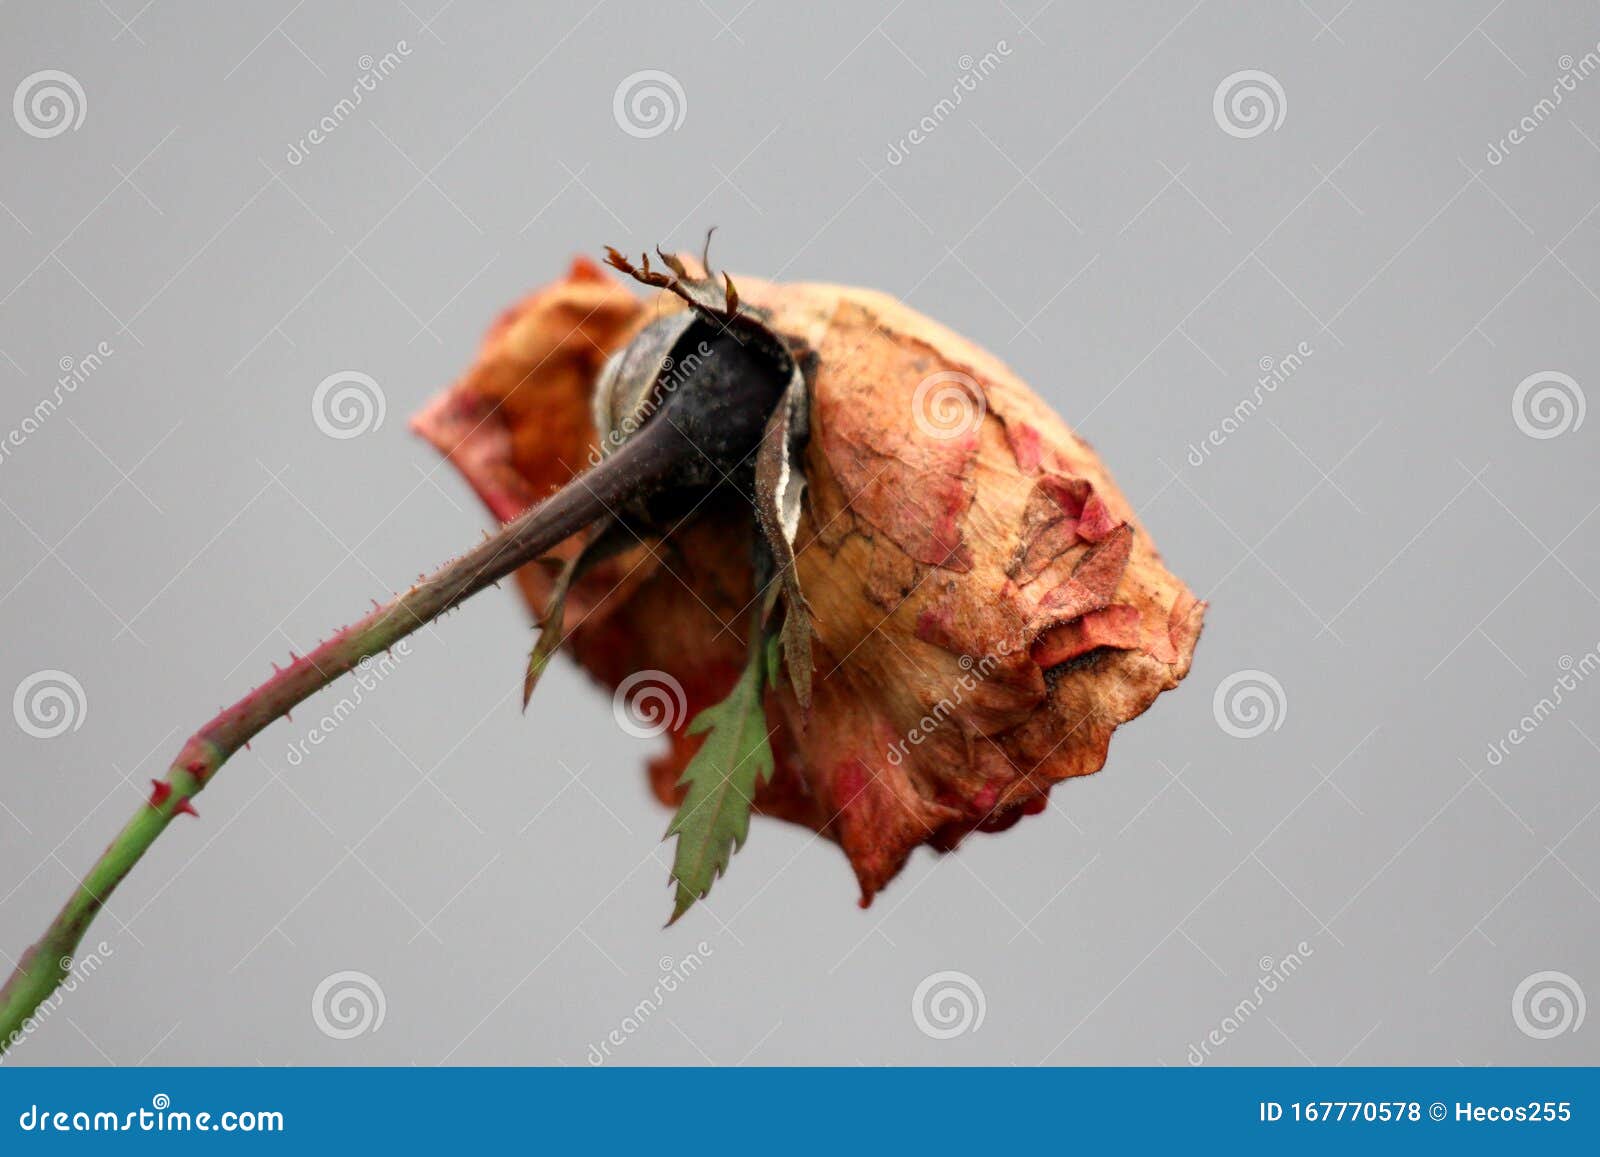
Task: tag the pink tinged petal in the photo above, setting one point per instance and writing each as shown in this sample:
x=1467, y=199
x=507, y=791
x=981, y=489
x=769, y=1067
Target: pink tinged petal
x=1093, y=581
x=1113, y=626
x=1026, y=445
x=1096, y=521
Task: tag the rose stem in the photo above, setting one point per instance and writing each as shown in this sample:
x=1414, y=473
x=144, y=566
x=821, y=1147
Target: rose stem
x=642, y=463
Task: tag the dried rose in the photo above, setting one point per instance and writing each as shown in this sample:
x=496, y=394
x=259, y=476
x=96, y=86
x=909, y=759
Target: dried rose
x=949, y=605
x=969, y=606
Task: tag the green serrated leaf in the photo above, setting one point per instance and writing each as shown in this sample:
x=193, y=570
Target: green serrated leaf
x=722, y=778
x=611, y=540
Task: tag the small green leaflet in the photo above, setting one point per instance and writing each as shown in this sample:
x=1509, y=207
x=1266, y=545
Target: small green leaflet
x=714, y=818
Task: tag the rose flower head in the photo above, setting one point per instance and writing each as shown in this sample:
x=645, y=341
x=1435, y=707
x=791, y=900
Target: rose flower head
x=915, y=603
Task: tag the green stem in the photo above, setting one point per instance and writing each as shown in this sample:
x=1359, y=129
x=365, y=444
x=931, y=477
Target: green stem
x=644, y=461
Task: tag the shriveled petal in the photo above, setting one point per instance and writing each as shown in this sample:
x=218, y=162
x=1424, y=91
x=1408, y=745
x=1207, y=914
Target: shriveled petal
x=1002, y=667
x=988, y=608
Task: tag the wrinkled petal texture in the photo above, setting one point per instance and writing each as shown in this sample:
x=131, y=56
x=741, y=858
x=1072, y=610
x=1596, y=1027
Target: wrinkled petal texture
x=988, y=610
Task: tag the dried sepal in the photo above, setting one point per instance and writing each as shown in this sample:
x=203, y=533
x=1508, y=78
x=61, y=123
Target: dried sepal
x=673, y=263
x=614, y=538
x=705, y=251
x=700, y=294
x=796, y=635
x=780, y=488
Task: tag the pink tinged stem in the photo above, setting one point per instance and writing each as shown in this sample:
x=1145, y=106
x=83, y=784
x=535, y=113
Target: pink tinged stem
x=640, y=465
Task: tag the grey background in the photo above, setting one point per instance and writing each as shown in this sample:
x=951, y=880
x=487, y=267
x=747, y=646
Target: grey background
x=1380, y=536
